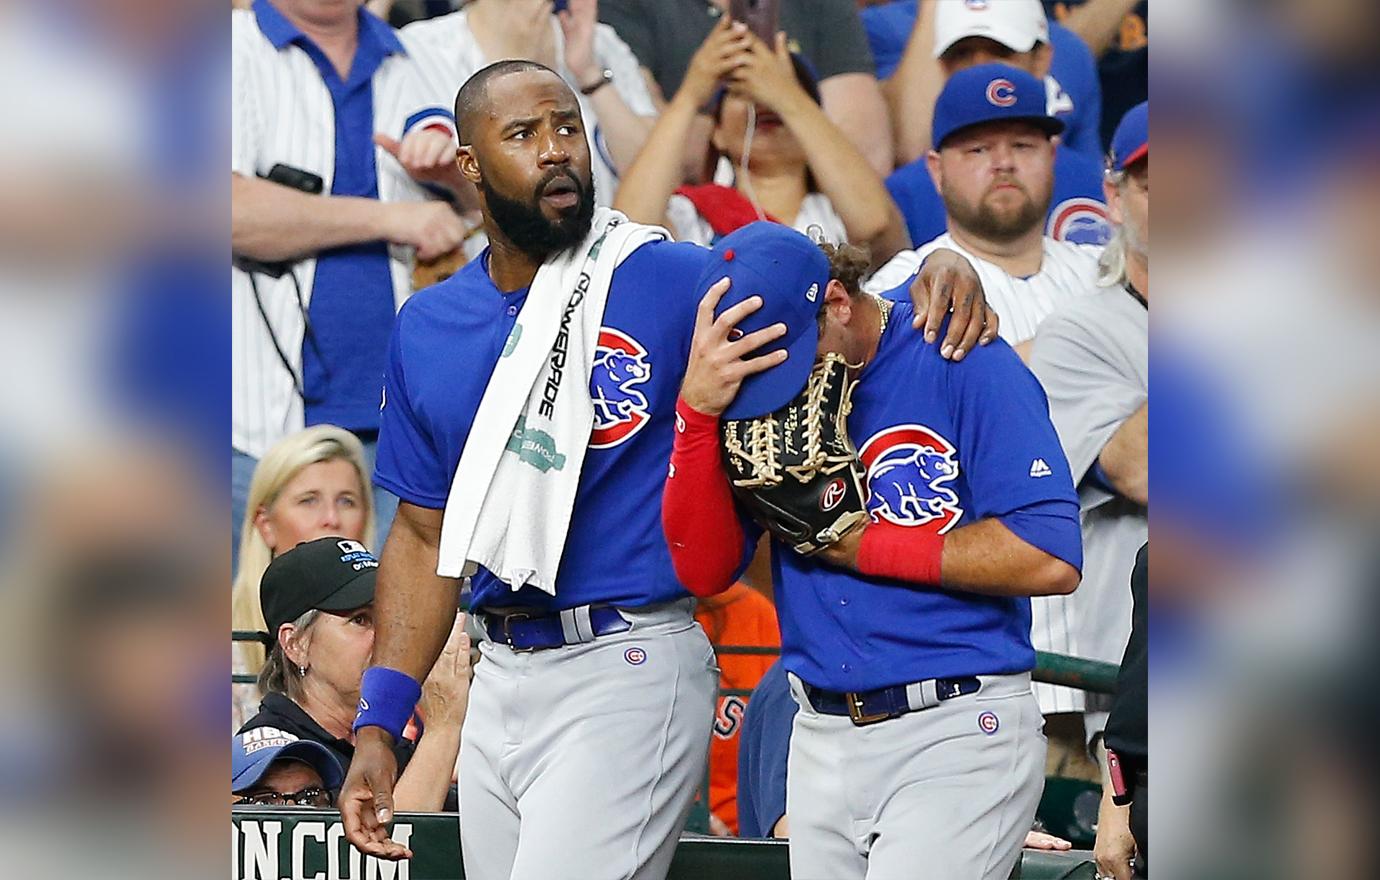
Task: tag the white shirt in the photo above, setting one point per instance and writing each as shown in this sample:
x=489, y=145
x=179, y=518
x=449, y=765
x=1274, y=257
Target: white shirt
x=1067, y=271
x=1093, y=360
x=815, y=210
x=454, y=45
x=282, y=113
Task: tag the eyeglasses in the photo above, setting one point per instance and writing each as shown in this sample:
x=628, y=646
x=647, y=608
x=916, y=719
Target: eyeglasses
x=307, y=797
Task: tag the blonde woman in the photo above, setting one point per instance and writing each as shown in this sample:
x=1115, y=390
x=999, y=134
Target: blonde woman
x=311, y=484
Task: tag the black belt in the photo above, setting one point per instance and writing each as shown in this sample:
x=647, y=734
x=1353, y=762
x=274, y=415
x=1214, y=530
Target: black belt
x=523, y=631
x=869, y=707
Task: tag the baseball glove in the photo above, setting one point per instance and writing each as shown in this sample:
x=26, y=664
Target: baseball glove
x=796, y=470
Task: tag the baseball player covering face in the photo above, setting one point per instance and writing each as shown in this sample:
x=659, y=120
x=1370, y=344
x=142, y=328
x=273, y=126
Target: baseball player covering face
x=526, y=425
x=918, y=749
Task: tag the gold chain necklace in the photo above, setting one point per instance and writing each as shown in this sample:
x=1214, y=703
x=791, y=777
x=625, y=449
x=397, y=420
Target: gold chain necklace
x=884, y=305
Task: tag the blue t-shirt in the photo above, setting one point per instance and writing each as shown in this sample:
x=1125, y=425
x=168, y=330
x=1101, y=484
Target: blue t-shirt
x=446, y=342
x=888, y=29
x=763, y=748
x=944, y=445
x=1077, y=212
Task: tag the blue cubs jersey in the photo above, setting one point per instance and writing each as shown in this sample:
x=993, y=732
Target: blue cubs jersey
x=446, y=342
x=944, y=445
x=1076, y=214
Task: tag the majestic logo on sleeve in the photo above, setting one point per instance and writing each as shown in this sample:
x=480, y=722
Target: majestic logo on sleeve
x=1080, y=221
x=620, y=408
x=909, y=469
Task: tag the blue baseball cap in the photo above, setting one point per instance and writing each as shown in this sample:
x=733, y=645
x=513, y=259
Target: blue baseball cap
x=1131, y=143
x=253, y=751
x=790, y=273
x=989, y=93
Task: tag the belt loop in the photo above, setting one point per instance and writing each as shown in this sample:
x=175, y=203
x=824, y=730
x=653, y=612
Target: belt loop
x=569, y=630
x=584, y=627
x=801, y=693
x=929, y=693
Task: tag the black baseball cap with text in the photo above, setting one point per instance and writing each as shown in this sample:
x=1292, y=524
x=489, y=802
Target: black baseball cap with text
x=328, y=574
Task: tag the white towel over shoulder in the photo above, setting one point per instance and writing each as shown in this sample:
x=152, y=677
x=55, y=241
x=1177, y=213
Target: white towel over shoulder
x=510, y=502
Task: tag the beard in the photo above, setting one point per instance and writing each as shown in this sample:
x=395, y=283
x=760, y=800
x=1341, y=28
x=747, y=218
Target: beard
x=529, y=229
x=993, y=224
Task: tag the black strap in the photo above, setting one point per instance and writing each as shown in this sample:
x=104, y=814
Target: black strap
x=273, y=337
x=1140, y=298
x=309, y=334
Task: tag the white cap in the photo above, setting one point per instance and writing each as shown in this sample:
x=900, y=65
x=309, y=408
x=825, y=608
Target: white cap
x=1016, y=24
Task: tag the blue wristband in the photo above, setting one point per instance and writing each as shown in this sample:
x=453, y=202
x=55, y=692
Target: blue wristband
x=387, y=698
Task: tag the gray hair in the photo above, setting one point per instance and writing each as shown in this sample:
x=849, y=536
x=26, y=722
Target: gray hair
x=1111, y=265
x=279, y=675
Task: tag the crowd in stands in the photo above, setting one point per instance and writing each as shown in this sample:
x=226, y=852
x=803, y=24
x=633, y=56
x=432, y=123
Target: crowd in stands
x=983, y=126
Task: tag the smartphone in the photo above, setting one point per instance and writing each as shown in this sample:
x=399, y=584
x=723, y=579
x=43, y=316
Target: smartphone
x=763, y=17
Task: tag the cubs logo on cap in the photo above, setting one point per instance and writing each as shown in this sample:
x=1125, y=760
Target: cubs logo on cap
x=789, y=272
x=991, y=93
x=1001, y=93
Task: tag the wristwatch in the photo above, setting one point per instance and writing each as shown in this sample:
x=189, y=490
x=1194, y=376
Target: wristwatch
x=605, y=77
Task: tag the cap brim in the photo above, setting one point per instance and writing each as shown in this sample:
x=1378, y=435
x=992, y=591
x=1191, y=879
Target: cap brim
x=1052, y=125
x=1015, y=44
x=772, y=389
x=355, y=593
x=311, y=753
x=1135, y=156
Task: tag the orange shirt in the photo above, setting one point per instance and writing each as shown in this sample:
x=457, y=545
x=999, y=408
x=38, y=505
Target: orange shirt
x=739, y=616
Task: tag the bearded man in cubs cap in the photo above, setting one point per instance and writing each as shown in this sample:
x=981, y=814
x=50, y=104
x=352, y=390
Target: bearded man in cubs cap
x=527, y=425
x=917, y=750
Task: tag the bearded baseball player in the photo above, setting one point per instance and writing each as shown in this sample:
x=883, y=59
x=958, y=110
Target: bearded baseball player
x=527, y=422
x=918, y=748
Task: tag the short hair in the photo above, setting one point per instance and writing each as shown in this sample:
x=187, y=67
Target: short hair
x=473, y=96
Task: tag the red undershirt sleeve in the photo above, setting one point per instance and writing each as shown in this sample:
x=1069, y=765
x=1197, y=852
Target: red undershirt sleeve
x=697, y=512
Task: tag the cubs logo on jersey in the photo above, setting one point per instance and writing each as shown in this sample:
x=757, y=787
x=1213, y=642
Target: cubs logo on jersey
x=621, y=365
x=909, y=471
x=1080, y=221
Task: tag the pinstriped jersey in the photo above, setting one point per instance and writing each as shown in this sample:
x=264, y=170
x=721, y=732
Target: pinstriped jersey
x=1067, y=271
x=283, y=114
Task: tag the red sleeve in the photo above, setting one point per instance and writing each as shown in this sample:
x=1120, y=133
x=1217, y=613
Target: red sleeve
x=697, y=511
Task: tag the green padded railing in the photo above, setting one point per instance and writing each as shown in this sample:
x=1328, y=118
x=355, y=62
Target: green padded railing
x=296, y=843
